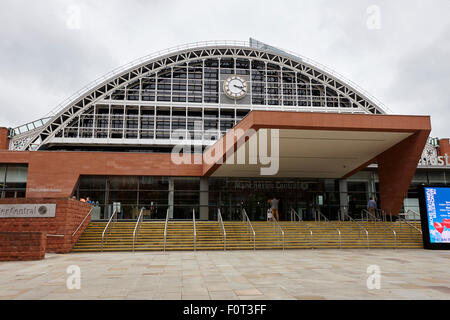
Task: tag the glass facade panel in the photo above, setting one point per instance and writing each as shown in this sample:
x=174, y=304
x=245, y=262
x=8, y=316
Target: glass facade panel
x=304, y=196
x=13, y=180
x=182, y=194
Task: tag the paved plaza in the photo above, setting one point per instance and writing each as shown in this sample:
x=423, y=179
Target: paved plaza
x=290, y=274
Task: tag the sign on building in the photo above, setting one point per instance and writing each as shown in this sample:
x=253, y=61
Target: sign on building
x=27, y=210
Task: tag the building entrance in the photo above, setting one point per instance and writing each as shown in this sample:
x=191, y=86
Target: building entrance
x=304, y=196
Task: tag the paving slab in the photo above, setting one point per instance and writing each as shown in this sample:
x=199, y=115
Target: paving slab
x=231, y=275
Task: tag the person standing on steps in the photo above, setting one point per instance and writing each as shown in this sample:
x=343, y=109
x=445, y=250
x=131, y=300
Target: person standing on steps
x=372, y=206
x=274, y=206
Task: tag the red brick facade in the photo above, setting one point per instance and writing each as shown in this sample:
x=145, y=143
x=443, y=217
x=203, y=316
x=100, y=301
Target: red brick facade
x=59, y=230
x=4, y=141
x=54, y=174
x=444, y=147
x=22, y=246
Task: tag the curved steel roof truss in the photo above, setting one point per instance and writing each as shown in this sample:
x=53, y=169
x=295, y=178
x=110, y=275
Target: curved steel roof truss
x=47, y=132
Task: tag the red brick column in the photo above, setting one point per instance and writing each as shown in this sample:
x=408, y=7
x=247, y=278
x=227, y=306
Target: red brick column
x=4, y=141
x=444, y=147
x=396, y=169
x=22, y=246
x=59, y=230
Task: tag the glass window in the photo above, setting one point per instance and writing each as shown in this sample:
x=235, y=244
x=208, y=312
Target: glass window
x=13, y=180
x=92, y=183
x=436, y=177
x=2, y=174
x=16, y=174
x=123, y=183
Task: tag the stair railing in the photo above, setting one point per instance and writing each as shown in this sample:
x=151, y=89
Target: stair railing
x=165, y=229
x=383, y=225
x=360, y=228
x=138, y=226
x=109, y=226
x=410, y=225
x=224, y=233
x=90, y=211
x=250, y=227
x=414, y=213
x=195, y=229
x=281, y=231
x=332, y=224
x=385, y=215
x=294, y=213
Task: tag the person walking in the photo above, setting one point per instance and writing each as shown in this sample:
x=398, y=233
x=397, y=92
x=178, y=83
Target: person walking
x=274, y=206
x=372, y=206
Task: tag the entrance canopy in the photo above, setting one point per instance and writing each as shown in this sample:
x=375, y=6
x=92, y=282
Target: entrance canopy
x=325, y=145
x=315, y=153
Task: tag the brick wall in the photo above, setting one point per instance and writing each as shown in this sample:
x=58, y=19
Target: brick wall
x=22, y=246
x=444, y=147
x=59, y=230
x=4, y=141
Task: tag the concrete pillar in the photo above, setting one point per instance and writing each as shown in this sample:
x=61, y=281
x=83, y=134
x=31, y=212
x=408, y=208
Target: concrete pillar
x=171, y=196
x=343, y=197
x=204, y=198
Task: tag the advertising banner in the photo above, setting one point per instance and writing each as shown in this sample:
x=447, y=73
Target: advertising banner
x=435, y=216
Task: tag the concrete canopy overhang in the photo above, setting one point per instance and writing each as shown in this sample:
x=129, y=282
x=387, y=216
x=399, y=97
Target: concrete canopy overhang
x=311, y=153
x=327, y=145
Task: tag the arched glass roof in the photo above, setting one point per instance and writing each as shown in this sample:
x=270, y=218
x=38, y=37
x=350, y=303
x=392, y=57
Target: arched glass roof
x=143, y=103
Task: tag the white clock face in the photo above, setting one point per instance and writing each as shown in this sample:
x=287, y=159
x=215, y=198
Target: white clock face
x=235, y=87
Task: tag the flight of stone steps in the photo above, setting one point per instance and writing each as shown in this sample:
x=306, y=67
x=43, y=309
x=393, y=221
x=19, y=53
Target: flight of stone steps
x=239, y=236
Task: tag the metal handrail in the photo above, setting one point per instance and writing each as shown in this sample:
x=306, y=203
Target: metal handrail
x=310, y=230
x=337, y=229
x=165, y=229
x=383, y=225
x=26, y=127
x=281, y=229
x=90, y=211
x=295, y=214
x=138, y=225
x=410, y=225
x=195, y=229
x=360, y=226
x=311, y=234
x=219, y=218
x=384, y=215
x=250, y=226
x=109, y=225
x=415, y=214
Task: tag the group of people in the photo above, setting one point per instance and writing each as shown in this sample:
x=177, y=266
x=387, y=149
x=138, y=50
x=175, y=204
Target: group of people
x=87, y=200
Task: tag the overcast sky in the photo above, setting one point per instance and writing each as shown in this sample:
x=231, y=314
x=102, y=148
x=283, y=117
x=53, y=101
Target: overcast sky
x=399, y=51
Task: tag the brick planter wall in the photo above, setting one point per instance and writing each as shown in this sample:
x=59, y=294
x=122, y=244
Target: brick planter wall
x=22, y=246
x=59, y=230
